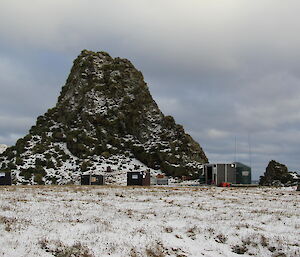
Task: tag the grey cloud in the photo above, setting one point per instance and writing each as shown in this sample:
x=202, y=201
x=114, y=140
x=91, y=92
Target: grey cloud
x=13, y=123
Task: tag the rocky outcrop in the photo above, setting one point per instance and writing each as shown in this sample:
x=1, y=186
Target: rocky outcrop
x=105, y=117
x=276, y=174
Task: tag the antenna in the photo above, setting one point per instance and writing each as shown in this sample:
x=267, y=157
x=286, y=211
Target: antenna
x=249, y=143
x=235, y=149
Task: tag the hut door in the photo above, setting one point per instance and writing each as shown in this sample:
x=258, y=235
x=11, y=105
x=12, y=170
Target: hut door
x=209, y=175
x=85, y=180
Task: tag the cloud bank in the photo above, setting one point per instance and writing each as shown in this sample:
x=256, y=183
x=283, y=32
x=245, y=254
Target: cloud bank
x=227, y=70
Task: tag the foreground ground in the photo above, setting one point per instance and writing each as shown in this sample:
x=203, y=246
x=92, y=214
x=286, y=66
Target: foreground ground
x=155, y=221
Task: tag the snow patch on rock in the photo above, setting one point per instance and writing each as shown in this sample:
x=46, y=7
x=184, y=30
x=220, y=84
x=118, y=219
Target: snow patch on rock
x=2, y=148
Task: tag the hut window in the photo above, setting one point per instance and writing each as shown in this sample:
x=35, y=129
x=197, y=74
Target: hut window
x=135, y=176
x=2, y=174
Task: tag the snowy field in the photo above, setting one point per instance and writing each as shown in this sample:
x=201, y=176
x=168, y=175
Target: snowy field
x=154, y=221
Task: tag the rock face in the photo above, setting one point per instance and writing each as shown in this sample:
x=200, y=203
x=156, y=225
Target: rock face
x=276, y=173
x=105, y=120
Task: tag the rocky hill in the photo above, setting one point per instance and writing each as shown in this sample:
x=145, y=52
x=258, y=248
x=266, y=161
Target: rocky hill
x=105, y=120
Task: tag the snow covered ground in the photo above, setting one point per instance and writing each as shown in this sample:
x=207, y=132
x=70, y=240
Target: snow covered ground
x=154, y=221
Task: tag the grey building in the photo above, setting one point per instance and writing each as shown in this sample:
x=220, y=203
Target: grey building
x=159, y=181
x=233, y=173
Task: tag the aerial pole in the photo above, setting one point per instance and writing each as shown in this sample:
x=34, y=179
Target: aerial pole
x=249, y=144
x=235, y=149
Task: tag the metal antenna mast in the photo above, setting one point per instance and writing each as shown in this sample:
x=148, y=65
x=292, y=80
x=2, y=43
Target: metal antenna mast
x=249, y=143
x=235, y=149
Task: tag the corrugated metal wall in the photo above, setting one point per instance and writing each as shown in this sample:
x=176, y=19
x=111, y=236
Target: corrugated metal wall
x=231, y=173
x=220, y=173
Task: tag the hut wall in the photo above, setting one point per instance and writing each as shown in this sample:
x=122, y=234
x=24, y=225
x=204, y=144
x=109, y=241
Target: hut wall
x=162, y=181
x=243, y=173
x=146, y=178
x=231, y=173
x=220, y=173
x=137, y=178
x=5, y=179
x=134, y=179
x=97, y=180
x=92, y=180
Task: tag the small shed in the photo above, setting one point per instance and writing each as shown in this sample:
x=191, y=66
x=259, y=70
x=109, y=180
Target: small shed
x=220, y=172
x=5, y=178
x=162, y=181
x=138, y=178
x=92, y=180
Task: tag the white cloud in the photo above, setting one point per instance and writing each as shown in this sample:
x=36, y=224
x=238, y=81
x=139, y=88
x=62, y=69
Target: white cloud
x=216, y=134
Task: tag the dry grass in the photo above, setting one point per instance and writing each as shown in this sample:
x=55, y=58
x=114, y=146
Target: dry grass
x=58, y=249
x=156, y=249
x=149, y=221
x=9, y=223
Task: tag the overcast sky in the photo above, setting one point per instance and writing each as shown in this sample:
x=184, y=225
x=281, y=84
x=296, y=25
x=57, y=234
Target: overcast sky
x=228, y=71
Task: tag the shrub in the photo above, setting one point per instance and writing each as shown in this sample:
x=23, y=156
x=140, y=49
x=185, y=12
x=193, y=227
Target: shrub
x=26, y=173
x=39, y=148
x=85, y=165
x=38, y=178
x=11, y=165
x=57, y=248
x=239, y=249
x=106, y=154
x=40, y=162
x=19, y=161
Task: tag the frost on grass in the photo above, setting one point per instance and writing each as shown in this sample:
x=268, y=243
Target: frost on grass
x=58, y=249
x=155, y=221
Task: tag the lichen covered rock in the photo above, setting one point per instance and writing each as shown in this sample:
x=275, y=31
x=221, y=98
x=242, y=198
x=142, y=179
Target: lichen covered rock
x=276, y=174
